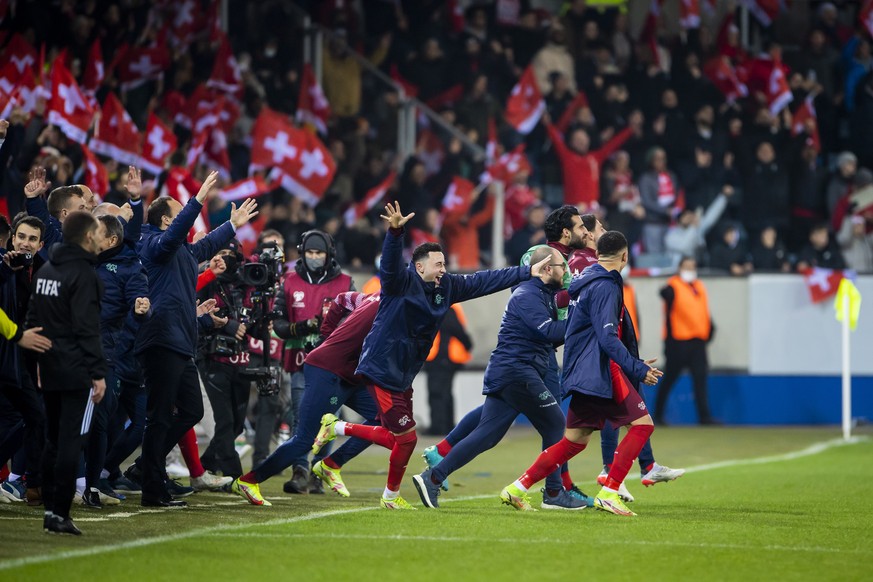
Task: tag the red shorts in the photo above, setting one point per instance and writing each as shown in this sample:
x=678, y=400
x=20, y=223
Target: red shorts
x=395, y=408
x=587, y=411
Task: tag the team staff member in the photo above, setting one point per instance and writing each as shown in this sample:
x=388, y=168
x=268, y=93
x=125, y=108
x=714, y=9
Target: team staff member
x=29, y=339
x=515, y=382
x=414, y=302
x=167, y=342
x=315, y=280
x=18, y=369
x=688, y=328
x=450, y=351
x=66, y=303
x=599, y=371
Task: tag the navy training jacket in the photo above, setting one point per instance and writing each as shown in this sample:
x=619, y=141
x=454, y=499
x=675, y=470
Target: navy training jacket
x=411, y=311
x=171, y=265
x=596, y=305
x=529, y=333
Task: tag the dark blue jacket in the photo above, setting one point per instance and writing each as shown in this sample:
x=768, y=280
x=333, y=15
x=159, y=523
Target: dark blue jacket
x=411, y=311
x=596, y=305
x=171, y=266
x=39, y=208
x=12, y=367
x=529, y=332
x=124, y=279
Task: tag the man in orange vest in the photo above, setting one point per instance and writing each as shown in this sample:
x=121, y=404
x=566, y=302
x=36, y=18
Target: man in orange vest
x=450, y=350
x=688, y=328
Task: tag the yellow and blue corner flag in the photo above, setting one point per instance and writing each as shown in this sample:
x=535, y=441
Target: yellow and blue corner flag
x=848, y=288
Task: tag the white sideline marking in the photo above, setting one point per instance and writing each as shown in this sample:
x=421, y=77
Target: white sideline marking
x=603, y=542
x=217, y=529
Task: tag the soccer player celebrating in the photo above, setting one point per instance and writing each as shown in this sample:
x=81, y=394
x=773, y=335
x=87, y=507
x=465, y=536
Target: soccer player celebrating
x=599, y=369
x=414, y=302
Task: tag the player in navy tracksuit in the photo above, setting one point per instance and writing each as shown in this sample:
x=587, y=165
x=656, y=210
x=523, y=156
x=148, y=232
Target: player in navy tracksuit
x=414, y=302
x=167, y=342
x=599, y=372
x=515, y=382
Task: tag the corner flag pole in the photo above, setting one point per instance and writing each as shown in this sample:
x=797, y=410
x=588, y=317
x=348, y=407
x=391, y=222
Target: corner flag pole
x=847, y=375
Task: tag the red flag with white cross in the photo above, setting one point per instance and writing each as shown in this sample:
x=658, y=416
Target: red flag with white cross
x=142, y=64
x=525, y=105
x=226, y=75
x=20, y=53
x=96, y=175
x=354, y=213
x=117, y=136
x=94, y=71
x=157, y=146
x=274, y=140
x=68, y=108
x=312, y=106
x=822, y=284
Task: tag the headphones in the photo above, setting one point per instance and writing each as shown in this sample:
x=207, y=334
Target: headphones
x=331, y=248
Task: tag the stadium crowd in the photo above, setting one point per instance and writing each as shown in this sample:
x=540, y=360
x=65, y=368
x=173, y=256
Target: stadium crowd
x=746, y=158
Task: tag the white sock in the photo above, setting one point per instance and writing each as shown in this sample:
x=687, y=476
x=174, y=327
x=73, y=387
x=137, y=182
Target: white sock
x=13, y=477
x=518, y=484
x=608, y=490
x=388, y=494
x=80, y=485
x=340, y=427
x=104, y=474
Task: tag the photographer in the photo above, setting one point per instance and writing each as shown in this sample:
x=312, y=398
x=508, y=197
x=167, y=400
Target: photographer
x=226, y=357
x=17, y=368
x=306, y=294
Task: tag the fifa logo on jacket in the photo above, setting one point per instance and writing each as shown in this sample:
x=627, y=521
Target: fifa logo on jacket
x=48, y=287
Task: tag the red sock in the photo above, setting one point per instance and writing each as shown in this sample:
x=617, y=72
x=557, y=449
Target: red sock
x=549, y=460
x=375, y=434
x=330, y=463
x=567, y=480
x=628, y=450
x=401, y=452
x=191, y=454
x=443, y=447
x=249, y=477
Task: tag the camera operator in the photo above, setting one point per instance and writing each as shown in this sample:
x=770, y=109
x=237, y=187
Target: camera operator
x=307, y=293
x=18, y=368
x=226, y=357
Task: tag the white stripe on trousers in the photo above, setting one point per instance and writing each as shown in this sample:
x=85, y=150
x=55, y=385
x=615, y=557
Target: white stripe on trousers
x=89, y=412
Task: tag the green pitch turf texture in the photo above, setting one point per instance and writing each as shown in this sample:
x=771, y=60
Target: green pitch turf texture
x=756, y=504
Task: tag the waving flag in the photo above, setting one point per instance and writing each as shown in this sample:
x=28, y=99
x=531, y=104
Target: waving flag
x=371, y=199
x=68, y=107
x=117, y=136
x=525, y=105
x=159, y=143
x=312, y=106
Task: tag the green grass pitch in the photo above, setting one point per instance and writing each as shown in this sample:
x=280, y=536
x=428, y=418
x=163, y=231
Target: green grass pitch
x=756, y=504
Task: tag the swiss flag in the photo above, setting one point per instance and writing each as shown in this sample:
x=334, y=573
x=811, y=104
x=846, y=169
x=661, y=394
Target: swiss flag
x=312, y=105
x=508, y=166
x=157, y=146
x=204, y=109
x=580, y=101
x=723, y=75
x=96, y=175
x=117, y=136
x=142, y=64
x=9, y=77
x=248, y=188
x=308, y=175
x=25, y=91
x=458, y=197
x=525, y=105
x=274, y=140
x=215, y=152
x=805, y=120
x=689, y=14
x=371, y=199
x=822, y=284
x=196, y=149
x=20, y=53
x=865, y=16
x=765, y=11
x=184, y=22
x=68, y=107
x=430, y=151
x=226, y=74
x=768, y=76
x=94, y=70
x=181, y=186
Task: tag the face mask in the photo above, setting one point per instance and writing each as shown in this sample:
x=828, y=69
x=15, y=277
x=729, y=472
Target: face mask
x=270, y=52
x=625, y=271
x=688, y=276
x=231, y=262
x=314, y=264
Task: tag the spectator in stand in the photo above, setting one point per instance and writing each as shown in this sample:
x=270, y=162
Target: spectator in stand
x=478, y=108
x=530, y=235
x=687, y=237
x=857, y=62
x=621, y=198
x=856, y=241
x=840, y=183
x=765, y=195
x=580, y=166
x=460, y=232
x=560, y=97
x=554, y=57
x=659, y=195
x=429, y=70
x=807, y=193
x=730, y=253
x=706, y=178
x=821, y=251
x=862, y=118
x=768, y=255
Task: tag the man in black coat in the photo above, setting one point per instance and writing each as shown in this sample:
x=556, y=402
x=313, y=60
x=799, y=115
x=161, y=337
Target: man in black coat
x=66, y=304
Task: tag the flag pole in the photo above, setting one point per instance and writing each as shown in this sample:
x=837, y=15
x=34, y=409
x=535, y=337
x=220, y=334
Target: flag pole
x=847, y=376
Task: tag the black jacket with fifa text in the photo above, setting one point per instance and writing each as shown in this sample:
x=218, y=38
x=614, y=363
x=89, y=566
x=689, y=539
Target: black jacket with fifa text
x=65, y=301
